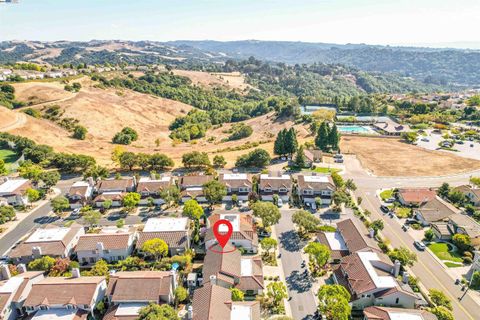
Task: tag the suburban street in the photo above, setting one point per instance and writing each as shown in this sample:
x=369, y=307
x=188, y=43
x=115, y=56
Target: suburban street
x=299, y=284
x=430, y=272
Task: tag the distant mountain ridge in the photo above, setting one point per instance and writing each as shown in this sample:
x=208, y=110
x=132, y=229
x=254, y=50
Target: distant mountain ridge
x=427, y=65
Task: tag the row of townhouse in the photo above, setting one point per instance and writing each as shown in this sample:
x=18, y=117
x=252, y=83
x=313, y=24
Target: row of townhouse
x=5, y=74
x=33, y=296
x=368, y=274
x=310, y=187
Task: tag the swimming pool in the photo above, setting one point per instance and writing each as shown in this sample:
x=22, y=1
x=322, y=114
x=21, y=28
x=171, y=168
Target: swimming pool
x=356, y=129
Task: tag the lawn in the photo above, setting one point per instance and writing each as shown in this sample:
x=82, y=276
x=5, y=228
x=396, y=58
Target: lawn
x=403, y=212
x=386, y=194
x=8, y=156
x=444, y=252
x=322, y=170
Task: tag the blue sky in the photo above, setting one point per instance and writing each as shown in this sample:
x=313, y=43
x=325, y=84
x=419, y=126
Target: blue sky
x=336, y=21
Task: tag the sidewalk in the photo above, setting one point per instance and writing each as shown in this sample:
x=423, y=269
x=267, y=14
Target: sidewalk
x=21, y=215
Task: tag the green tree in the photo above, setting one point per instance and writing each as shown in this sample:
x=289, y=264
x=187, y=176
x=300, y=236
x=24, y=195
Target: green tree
x=410, y=137
x=195, y=159
x=475, y=283
x=59, y=204
x=92, y=217
x=322, y=138
x=96, y=172
x=192, y=209
x=107, y=204
x=3, y=168
x=257, y=158
x=170, y=195
x=155, y=247
x=44, y=263
x=214, y=191
x=267, y=211
x=181, y=294
x=29, y=170
x=128, y=160
x=475, y=181
x=276, y=291
x=462, y=241
x=49, y=178
x=457, y=197
x=160, y=161
x=80, y=132
x=279, y=144
x=337, y=180
x=99, y=269
x=33, y=195
x=7, y=213
x=291, y=143
x=319, y=255
x=219, y=161
x=333, y=137
x=333, y=302
x=306, y=222
x=268, y=244
x=442, y=313
x=120, y=223
x=340, y=196
x=377, y=225
x=439, y=299
x=131, y=200
x=237, y=295
x=444, y=190
x=350, y=185
x=300, y=158
x=404, y=255
x=157, y=312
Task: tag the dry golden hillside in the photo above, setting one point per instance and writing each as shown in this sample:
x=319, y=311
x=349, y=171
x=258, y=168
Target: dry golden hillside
x=40, y=92
x=234, y=80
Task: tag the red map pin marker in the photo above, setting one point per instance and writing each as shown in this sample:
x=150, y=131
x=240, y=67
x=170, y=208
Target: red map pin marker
x=220, y=233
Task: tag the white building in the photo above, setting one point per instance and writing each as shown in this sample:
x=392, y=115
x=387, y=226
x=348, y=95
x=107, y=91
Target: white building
x=15, y=191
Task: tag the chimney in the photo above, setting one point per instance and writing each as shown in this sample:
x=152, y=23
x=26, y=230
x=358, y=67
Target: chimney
x=405, y=277
x=76, y=273
x=36, y=251
x=190, y=313
x=100, y=247
x=213, y=279
x=21, y=268
x=396, y=268
x=5, y=272
x=90, y=181
x=371, y=233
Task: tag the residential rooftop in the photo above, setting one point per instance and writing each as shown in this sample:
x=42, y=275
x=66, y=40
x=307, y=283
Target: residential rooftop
x=166, y=224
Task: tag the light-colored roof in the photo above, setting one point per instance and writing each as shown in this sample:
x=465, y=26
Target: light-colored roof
x=166, y=224
x=384, y=313
x=12, y=185
x=59, y=314
x=335, y=241
x=48, y=234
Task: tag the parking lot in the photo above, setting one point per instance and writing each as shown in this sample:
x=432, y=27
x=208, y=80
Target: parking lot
x=431, y=142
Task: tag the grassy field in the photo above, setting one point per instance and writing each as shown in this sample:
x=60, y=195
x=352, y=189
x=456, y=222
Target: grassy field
x=8, y=156
x=443, y=251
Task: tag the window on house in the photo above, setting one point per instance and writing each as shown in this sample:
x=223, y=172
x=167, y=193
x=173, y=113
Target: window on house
x=92, y=260
x=106, y=251
x=397, y=300
x=283, y=189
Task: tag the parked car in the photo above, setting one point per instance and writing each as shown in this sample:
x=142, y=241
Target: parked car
x=384, y=208
x=338, y=160
x=425, y=140
x=338, y=156
x=471, y=145
x=76, y=212
x=410, y=221
x=279, y=203
x=419, y=245
x=264, y=234
x=405, y=227
x=459, y=142
x=390, y=200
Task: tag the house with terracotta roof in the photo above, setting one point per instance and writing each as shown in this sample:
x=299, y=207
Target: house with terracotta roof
x=231, y=269
x=351, y=236
x=129, y=291
x=312, y=186
x=275, y=183
x=371, y=280
x=472, y=194
x=114, y=190
x=212, y=302
x=383, y=313
x=151, y=188
x=435, y=210
x=191, y=187
x=80, y=194
x=14, y=191
x=14, y=290
x=239, y=184
x=415, y=196
x=110, y=244
x=244, y=233
x=65, y=298
x=175, y=232
x=51, y=241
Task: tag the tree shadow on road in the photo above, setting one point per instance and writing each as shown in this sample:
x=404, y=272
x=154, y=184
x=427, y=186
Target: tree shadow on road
x=299, y=282
x=290, y=241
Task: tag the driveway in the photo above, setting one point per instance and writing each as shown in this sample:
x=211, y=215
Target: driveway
x=299, y=282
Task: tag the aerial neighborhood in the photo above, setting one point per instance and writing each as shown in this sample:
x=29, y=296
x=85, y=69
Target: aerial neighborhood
x=238, y=180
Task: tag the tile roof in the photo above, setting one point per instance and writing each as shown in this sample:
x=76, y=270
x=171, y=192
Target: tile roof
x=62, y=291
x=247, y=230
x=315, y=185
x=335, y=254
x=468, y=224
x=312, y=155
x=227, y=265
x=356, y=236
x=383, y=313
x=109, y=184
x=198, y=180
x=210, y=302
x=143, y=286
x=437, y=209
x=417, y=195
x=111, y=314
x=235, y=183
x=111, y=241
x=275, y=181
x=153, y=185
x=174, y=239
x=253, y=281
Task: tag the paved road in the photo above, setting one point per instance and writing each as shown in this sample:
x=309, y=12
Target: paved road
x=299, y=283
x=35, y=219
x=429, y=270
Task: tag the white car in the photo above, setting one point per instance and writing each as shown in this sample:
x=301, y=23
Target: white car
x=75, y=212
x=425, y=140
x=279, y=203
